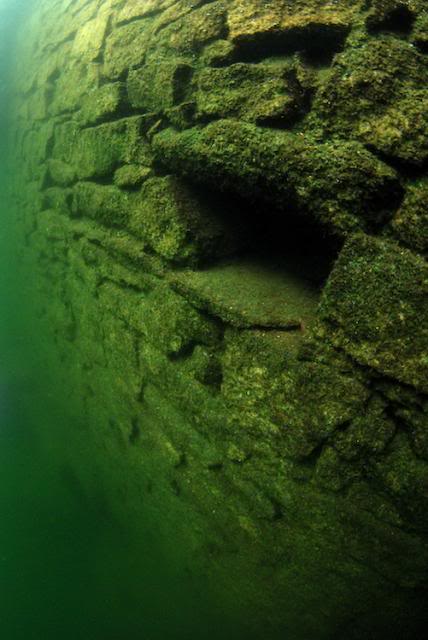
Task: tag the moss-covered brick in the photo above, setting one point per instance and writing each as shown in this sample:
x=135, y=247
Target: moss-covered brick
x=102, y=103
x=289, y=25
x=60, y=172
x=131, y=175
x=97, y=151
x=201, y=26
x=376, y=305
x=172, y=325
x=259, y=93
x=106, y=204
x=160, y=84
x=373, y=92
x=89, y=38
x=340, y=184
x=140, y=9
x=177, y=222
x=125, y=48
x=410, y=224
x=368, y=434
x=76, y=80
x=57, y=198
x=317, y=398
x=401, y=132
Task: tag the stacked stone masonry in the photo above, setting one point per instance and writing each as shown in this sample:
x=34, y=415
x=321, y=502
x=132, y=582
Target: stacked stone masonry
x=226, y=202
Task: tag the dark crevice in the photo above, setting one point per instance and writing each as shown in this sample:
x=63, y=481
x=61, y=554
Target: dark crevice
x=300, y=244
x=150, y=14
x=135, y=431
x=406, y=169
x=398, y=21
x=215, y=466
x=183, y=353
x=317, y=42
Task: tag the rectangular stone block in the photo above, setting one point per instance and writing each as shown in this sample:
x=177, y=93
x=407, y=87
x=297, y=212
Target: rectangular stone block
x=98, y=151
x=376, y=305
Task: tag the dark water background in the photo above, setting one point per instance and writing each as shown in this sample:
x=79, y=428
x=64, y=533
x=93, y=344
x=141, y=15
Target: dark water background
x=67, y=569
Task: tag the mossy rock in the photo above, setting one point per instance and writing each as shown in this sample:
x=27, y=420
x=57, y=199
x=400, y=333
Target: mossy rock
x=106, y=204
x=374, y=92
x=410, y=224
x=376, y=303
x=339, y=183
x=179, y=223
x=253, y=93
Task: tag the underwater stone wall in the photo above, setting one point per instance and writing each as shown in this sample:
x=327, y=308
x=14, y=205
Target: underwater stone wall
x=226, y=206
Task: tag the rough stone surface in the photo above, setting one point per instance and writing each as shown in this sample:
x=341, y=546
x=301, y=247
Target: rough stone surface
x=225, y=206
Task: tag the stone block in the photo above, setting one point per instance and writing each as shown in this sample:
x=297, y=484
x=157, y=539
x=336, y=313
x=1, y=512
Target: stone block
x=376, y=305
x=105, y=204
x=259, y=93
x=125, y=48
x=89, y=39
x=160, y=84
x=410, y=224
x=98, y=151
x=339, y=183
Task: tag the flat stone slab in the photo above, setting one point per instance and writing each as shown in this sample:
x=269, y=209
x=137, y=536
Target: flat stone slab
x=250, y=294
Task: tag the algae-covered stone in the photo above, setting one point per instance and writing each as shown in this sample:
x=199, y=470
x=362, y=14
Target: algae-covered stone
x=97, y=151
x=253, y=93
x=373, y=91
x=410, y=224
x=74, y=83
x=376, y=305
x=248, y=294
x=420, y=34
x=290, y=25
x=141, y=8
x=60, y=172
x=339, y=183
x=396, y=16
x=177, y=222
x=106, y=204
x=368, y=434
x=160, y=84
x=102, y=103
x=131, y=175
x=125, y=48
x=318, y=397
x=89, y=38
x=402, y=131
x=171, y=324
x=201, y=26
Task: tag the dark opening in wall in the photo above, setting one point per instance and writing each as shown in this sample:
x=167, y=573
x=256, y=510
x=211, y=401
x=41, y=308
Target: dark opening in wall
x=398, y=20
x=274, y=276
x=318, y=42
